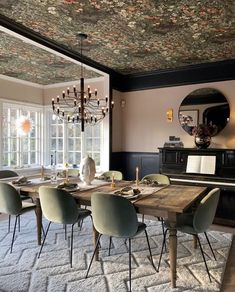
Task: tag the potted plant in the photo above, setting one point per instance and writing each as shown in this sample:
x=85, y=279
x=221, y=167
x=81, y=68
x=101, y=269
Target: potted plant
x=203, y=134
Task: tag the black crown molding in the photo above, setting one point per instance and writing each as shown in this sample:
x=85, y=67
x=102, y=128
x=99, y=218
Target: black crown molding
x=192, y=74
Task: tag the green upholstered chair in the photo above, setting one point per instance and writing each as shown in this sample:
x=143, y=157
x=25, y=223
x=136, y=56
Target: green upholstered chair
x=160, y=178
x=9, y=174
x=115, y=216
x=11, y=204
x=198, y=222
x=58, y=206
x=73, y=172
x=117, y=174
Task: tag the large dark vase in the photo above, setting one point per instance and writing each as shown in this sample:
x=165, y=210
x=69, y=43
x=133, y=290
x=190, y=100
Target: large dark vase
x=202, y=142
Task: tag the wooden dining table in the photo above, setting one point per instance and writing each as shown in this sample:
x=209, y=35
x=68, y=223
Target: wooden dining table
x=164, y=201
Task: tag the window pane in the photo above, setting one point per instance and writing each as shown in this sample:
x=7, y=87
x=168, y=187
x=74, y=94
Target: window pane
x=71, y=158
x=77, y=158
x=70, y=144
x=13, y=159
x=88, y=131
x=96, y=144
x=25, y=144
x=53, y=144
x=13, y=144
x=60, y=144
x=59, y=157
x=77, y=144
x=32, y=144
x=96, y=157
x=5, y=159
x=25, y=158
x=60, y=131
x=89, y=144
x=33, y=157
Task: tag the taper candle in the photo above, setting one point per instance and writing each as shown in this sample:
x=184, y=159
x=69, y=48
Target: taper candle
x=137, y=174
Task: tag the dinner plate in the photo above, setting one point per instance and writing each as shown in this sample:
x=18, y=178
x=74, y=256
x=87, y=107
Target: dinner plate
x=71, y=189
x=130, y=196
x=23, y=183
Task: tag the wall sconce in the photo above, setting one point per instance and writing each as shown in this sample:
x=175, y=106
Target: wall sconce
x=169, y=115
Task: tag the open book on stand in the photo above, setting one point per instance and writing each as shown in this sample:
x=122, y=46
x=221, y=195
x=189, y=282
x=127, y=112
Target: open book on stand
x=201, y=164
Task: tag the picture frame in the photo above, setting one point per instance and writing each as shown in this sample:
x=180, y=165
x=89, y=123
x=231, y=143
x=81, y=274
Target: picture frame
x=188, y=119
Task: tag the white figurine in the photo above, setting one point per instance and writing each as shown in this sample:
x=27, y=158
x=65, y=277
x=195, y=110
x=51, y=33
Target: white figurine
x=87, y=170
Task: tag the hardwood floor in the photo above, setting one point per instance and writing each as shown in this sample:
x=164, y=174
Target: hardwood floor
x=228, y=283
x=229, y=275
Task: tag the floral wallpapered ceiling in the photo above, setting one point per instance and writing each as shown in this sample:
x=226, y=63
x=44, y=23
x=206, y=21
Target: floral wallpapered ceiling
x=134, y=36
x=27, y=62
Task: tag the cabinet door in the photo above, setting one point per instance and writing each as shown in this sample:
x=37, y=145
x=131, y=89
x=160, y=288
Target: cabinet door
x=169, y=157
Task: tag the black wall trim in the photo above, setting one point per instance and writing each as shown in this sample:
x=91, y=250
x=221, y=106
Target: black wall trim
x=126, y=162
x=193, y=74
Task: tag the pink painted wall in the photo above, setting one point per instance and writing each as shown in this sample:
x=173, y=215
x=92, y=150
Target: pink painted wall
x=142, y=125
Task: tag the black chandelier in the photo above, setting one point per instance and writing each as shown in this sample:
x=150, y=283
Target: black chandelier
x=80, y=106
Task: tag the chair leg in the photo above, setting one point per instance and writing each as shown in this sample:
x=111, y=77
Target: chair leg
x=143, y=218
x=110, y=242
x=96, y=246
x=19, y=223
x=151, y=257
x=210, y=245
x=163, y=229
x=14, y=231
x=65, y=231
x=130, y=264
x=163, y=243
x=9, y=223
x=44, y=239
x=202, y=252
x=71, y=251
x=81, y=222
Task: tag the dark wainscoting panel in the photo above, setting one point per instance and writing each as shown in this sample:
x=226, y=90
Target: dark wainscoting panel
x=126, y=162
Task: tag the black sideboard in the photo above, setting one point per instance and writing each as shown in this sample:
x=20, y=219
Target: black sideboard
x=173, y=162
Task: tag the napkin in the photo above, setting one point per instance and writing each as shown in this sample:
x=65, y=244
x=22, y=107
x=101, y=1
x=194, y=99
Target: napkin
x=20, y=180
x=67, y=185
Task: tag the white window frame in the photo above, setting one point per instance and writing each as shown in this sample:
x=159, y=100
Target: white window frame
x=25, y=107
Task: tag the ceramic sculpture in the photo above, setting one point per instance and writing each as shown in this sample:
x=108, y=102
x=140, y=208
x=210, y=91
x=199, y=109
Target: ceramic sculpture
x=87, y=170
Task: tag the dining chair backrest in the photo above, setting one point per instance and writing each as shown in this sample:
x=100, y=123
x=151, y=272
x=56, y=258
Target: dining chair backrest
x=160, y=178
x=10, y=201
x=205, y=212
x=113, y=215
x=117, y=174
x=7, y=173
x=57, y=205
x=73, y=172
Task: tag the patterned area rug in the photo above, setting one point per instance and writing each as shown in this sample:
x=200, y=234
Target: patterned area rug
x=22, y=271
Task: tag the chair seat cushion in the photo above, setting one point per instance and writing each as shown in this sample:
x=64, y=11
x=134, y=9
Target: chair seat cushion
x=27, y=206
x=83, y=213
x=184, y=223
x=141, y=227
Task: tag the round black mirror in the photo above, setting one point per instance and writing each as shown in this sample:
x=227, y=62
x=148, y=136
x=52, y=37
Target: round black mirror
x=205, y=106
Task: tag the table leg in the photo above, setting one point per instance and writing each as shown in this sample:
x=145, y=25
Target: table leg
x=95, y=237
x=39, y=220
x=173, y=249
